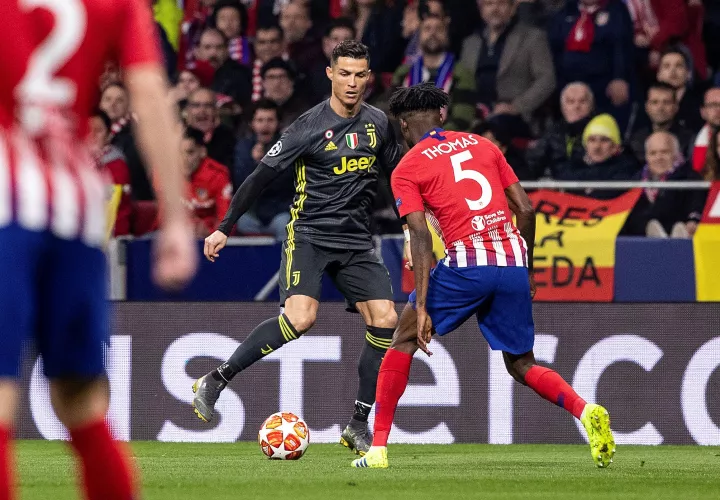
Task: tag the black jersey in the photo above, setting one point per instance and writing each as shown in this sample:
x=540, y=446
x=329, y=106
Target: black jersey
x=337, y=162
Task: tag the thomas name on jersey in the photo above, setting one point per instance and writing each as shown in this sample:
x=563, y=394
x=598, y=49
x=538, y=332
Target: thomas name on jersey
x=448, y=147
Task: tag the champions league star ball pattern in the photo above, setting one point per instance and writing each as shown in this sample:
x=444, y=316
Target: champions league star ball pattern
x=284, y=436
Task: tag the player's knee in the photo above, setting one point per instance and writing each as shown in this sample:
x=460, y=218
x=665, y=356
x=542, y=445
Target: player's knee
x=386, y=317
x=302, y=321
x=80, y=401
x=518, y=365
x=514, y=374
x=8, y=402
x=389, y=320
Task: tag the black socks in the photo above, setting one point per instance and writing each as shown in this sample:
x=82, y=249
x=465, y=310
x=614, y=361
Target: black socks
x=264, y=339
x=377, y=341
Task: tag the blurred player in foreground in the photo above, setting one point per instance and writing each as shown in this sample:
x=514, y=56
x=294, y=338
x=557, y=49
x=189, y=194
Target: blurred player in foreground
x=52, y=212
x=470, y=189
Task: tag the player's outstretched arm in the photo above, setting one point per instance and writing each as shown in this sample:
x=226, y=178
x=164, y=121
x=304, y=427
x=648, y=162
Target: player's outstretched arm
x=522, y=208
x=244, y=198
x=421, y=248
x=158, y=132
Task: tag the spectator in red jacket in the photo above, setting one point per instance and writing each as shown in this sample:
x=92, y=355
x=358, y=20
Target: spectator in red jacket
x=111, y=161
x=209, y=187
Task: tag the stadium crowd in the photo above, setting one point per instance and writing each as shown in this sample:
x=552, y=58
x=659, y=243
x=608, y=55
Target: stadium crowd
x=592, y=90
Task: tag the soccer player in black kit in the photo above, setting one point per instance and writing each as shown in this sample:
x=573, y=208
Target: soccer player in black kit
x=338, y=149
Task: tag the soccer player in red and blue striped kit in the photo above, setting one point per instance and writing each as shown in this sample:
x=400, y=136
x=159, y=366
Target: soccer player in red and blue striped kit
x=467, y=187
x=52, y=212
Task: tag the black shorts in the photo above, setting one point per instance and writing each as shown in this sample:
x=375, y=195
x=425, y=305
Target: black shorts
x=358, y=274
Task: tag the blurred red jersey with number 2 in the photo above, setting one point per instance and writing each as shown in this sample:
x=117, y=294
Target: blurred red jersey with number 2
x=52, y=56
x=460, y=179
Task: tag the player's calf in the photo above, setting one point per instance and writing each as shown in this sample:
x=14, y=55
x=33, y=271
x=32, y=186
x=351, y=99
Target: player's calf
x=8, y=402
x=552, y=387
x=267, y=337
x=6, y=470
x=356, y=435
x=518, y=366
x=81, y=405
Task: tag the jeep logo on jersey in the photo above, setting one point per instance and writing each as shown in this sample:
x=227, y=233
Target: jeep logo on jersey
x=352, y=140
x=353, y=164
x=478, y=223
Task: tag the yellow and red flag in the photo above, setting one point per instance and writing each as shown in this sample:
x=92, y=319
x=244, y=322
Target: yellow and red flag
x=706, y=245
x=575, y=245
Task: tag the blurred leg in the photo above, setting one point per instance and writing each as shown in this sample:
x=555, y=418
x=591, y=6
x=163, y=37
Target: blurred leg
x=8, y=402
x=81, y=405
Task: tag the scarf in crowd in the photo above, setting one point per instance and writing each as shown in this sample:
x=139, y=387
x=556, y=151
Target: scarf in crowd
x=642, y=15
x=118, y=126
x=582, y=34
x=419, y=73
x=645, y=176
x=239, y=50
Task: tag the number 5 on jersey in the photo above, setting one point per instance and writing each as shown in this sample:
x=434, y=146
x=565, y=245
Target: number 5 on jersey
x=485, y=189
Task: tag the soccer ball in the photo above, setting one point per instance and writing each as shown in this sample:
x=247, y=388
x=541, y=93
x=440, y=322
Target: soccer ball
x=284, y=436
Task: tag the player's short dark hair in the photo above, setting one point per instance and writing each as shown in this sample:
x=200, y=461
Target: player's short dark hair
x=265, y=104
x=194, y=135
x=662, y=86
x=418, y=98
x=352, y=49
x=340, y=23
x=211, y=29
x=99, y=113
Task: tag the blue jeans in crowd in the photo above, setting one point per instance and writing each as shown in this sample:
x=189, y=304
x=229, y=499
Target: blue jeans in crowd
x=249, y=224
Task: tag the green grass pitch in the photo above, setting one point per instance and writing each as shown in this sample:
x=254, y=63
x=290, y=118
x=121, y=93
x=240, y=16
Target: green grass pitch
x=240, y=472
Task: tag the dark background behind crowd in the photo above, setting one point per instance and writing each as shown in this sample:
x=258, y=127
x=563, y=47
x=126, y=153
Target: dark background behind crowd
x=587, y=90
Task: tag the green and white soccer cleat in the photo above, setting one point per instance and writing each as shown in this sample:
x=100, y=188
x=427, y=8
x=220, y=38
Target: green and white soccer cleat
x=596, y=421
x=356, y=439
x=207, y=391
x=375, y=458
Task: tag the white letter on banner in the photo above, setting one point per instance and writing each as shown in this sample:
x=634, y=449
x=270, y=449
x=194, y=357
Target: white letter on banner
x=229, y=408
x=292, y=387
x=598, y=358
x=444, y=392
x=694, y=386
x=119, y=365
x=500, y=388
